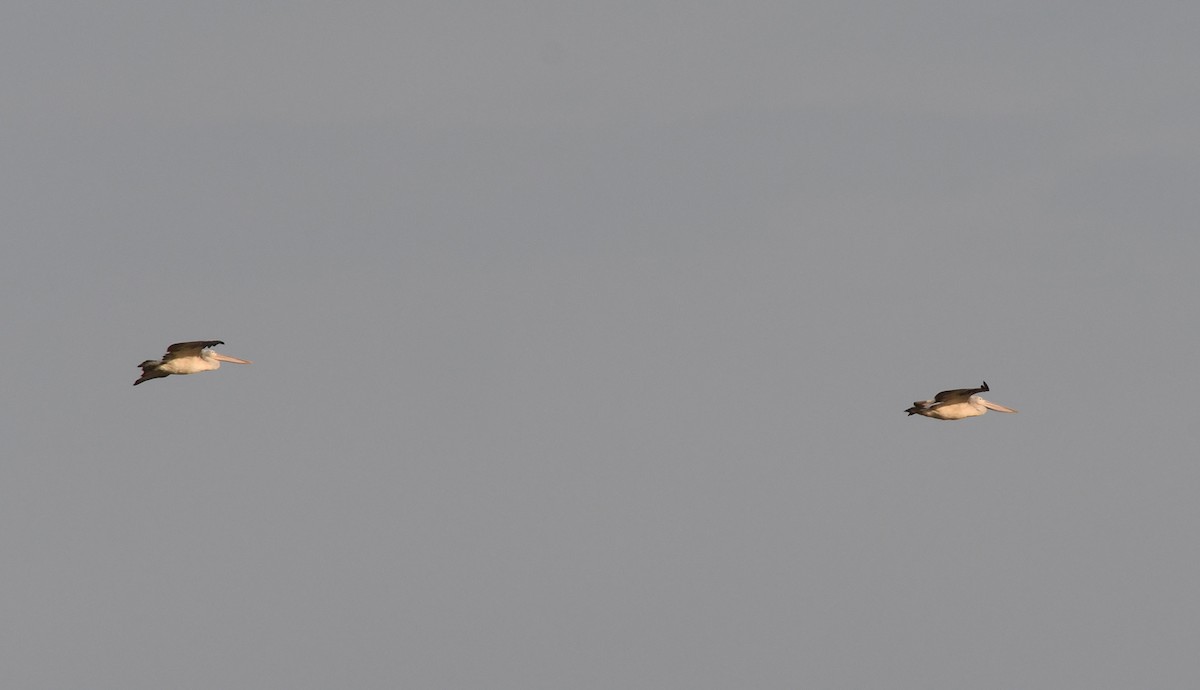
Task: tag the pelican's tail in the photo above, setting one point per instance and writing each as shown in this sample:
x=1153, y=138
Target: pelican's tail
x=919, y=407
x=150, y=370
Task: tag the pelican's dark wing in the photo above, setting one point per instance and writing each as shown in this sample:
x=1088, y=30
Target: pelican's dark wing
x=959, y=394
x=189, y=349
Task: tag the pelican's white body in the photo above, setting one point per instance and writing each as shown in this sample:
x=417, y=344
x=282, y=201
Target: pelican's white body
x=207, y=360
x=973, y=407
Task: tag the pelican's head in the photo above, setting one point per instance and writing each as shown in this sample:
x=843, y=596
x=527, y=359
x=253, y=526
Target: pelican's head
x=993, y=406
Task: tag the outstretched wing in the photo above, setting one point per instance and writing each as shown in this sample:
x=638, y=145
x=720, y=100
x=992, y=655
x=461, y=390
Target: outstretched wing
x=959, y=394
x=189, y=349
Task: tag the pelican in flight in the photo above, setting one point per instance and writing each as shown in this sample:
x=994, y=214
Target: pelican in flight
x=186, y=358
x=956, y=404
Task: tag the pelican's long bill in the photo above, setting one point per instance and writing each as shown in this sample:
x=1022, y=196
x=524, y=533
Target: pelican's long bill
x=993, y=406
x=235, y=360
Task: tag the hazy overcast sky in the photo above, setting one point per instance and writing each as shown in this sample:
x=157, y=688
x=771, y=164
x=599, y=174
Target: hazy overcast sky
x=582, y=335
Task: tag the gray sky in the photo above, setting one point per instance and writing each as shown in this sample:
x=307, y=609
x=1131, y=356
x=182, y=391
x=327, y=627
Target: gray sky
x=582, y=338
